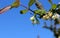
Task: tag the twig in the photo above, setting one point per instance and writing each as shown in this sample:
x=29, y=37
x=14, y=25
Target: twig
x=26, y=8
x=50, y=28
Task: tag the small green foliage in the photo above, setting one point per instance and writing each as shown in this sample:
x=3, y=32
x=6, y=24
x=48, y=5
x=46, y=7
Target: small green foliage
x=37, y=11
x=15, y=4
x=23, y=11
x=31, y=2
x=40, y=12
x=54, y=6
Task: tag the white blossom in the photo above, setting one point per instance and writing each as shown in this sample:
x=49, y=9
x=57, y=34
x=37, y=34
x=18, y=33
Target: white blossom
x=56, y=16
x=34, y=20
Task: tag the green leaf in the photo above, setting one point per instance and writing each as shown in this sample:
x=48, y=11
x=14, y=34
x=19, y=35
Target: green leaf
x=54, y=6
x=15, y=4
x=37, y=11
x=23, y=11
x=31, y=2
x=41, y=12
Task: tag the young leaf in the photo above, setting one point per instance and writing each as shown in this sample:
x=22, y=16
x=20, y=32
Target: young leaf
x=54, y=6
x=37, y=11
x=15, y=4
x=31, y=2
x=23, y=11
x=41, y=12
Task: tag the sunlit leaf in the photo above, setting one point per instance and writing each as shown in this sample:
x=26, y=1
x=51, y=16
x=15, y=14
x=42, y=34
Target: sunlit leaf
x=15, y=4
x=31, y=2
x=37, y=11
x=54, y=6
x=23, y=11
x=41, y=12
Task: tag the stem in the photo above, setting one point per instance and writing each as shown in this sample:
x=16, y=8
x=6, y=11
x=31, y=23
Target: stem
x=27, y=8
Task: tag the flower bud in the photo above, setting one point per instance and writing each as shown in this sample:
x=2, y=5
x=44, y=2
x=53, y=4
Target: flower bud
x=46, y=17
x=50, y=14
x=32, y=18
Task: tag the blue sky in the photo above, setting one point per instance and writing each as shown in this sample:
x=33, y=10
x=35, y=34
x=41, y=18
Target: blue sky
x=15, y=25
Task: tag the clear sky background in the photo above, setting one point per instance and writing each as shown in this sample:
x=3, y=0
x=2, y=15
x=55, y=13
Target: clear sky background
x=15, y=25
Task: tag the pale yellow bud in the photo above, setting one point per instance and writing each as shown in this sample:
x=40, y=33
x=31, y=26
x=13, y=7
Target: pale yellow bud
x=50, y=14
x=45, y=17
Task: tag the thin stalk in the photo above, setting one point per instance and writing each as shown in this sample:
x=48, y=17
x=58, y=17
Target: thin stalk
x=26, y=8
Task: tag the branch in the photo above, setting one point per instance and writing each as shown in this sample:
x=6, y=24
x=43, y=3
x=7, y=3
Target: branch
x=26, y=8
x=50, y=28
x=9, y=7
